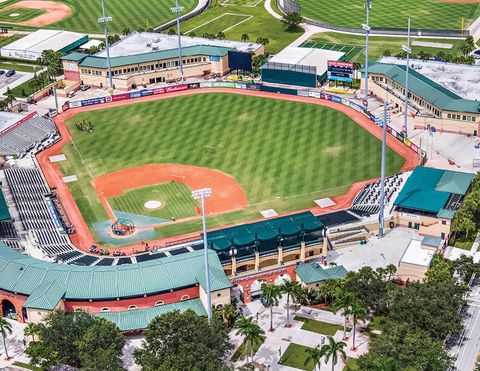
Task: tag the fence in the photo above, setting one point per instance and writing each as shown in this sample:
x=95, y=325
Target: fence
x=183, y=18
x=248, y=86
x=288, y=6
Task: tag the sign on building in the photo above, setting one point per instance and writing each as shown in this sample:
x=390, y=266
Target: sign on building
x=340, y=71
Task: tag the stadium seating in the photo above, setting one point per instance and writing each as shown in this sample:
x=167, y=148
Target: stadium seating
x=28, y=136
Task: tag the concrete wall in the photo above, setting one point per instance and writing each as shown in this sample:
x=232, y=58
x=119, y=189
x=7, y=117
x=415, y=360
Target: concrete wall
x=38, y=315
x=219, y=297
x=428, y=226
x=412, y=272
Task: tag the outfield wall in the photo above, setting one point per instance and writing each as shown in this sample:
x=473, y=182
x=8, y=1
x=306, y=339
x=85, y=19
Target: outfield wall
x=249, y=86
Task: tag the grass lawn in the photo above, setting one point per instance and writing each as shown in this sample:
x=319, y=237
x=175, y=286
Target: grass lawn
x=463, y=243
x=393, y=13
x=5, y=65
x=351, y=365
x=26, y=366
x=14, y=15
x=235, y=19
x=319, y=327
x=376, y=45
x=176, y=201
x=9, y=39
x=295, y=356
x=125, y=14
x=284, y=154
x=242, y=351
x=26, y=89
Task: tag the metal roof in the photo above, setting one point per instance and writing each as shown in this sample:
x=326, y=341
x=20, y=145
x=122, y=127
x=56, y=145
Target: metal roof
x=314, y=272
x=4, y=213
x=94, y=61
x=454, y=182
x=138, y=319
x=432, y=241
x=429, y=90
x=20, y=273
x=45, y=296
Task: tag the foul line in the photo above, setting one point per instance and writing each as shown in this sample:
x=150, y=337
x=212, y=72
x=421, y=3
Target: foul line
x=220, y=16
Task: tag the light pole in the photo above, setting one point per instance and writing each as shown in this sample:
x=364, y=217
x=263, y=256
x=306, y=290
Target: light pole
x=104, y=20
x=382, y=182
x=202, y=194
x=408, y=50
x=177, y=10
x=367, y=30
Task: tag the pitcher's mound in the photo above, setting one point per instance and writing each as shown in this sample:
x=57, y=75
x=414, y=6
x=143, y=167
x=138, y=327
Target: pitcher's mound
x=152, y=204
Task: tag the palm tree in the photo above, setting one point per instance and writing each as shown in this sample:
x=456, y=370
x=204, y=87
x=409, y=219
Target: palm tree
x=32, y=329
x=221, y=35
x=244, y=37
x=333, y=349
x=5, y=329
x=343, y=300
x=290, y=288
x=391, y=270
x=251, y=331
x=125, y=31
x=358, y=312
x=272, y=294
x=229, y=313
x=315, y=355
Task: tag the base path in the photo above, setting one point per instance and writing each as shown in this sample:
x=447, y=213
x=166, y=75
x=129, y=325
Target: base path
x=54, y=12
x=83, y=237
x=227, y=194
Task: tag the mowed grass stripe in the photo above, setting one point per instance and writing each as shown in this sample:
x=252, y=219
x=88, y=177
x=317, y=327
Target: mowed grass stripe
x=284, y=154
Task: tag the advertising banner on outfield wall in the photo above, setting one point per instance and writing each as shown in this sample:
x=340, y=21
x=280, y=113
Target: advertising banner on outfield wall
x=223, y=84
x=256, y=87
x=314, y=94
x=240, y=85
x=194, y=85
x=92, y=101
x=75, y=104
x=158, y=91
x=170, y=89
x=206, y=84
x=118, y=97
x=334, y=98
x=303, y=93
x=65, y=106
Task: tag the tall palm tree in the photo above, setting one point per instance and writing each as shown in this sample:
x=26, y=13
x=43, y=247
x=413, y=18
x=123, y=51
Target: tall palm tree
x=272, y=294
x=391, y=270
x=251, y=331
x=315, y=355
x=245, y=37
x=333, y=349
x=229, y=313
x=32, y=330
x=290, y=288
x=5, y=329
x=358, y=312
x=343, y=300
x=125, y=31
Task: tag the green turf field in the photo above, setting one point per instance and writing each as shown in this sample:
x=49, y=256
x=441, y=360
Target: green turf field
x=393, y=13
x=15, y=15
x=125, y=14
x=237, y=17
x=354, y=45
x=284, y=154
x=175, y=197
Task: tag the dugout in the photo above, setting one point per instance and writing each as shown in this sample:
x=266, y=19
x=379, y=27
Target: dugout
x=299, y=66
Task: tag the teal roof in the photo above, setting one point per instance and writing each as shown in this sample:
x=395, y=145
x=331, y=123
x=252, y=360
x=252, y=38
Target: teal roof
x=314, y=272
x=429, y=189
x=138, y=319
x=4, y=213
x=429, y=90
x=432, y=241
x=45, y=296
x=247, y=234
x=93, y=61
x=454, y=182
x=445, y=214
x=74, y=56
x=23, y=274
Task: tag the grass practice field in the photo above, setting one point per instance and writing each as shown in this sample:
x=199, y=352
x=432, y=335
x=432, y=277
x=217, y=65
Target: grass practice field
x=354, y=45
x=175, y=197
x=236, y=17
x=19, y=14
x=393, y=13
x=125, y=14
x=284, y=154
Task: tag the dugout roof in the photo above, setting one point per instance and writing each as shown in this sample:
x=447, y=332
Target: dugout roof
x=429, y=90
x=248, y=234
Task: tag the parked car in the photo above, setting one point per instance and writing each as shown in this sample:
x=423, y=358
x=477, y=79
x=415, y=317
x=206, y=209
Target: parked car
x=84, y=87
x=2, y=72
x=10, y=73
x=71, y=94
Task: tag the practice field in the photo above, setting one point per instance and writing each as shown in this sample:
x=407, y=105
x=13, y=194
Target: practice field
x=284, y=154
x=19, y=14
x=175, y=198
x=351, y=51
x=125, y=14
x=434, y=14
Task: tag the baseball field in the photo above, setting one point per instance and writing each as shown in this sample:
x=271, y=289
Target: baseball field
x=283, y=154
x=435, y=14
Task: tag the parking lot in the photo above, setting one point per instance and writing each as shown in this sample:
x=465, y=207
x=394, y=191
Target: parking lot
x=13, y=81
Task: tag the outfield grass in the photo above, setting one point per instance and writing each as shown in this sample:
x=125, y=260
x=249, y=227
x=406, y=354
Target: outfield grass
x=376, y=45
x=393, y=13
x=319, y=327
x=295, y=356
x=284, y=154
x=256, y=22
x=243, y=352
x=175, y=197
x=23, y=14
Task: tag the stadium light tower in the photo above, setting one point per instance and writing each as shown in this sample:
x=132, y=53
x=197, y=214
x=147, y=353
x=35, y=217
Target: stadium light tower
x=367, y=29
x=177, y=10
x=104, y=20
x=408, y=50
x=382, y=181
x=202, y=194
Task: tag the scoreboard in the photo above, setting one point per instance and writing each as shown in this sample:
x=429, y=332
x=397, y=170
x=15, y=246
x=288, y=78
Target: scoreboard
x=340, y=71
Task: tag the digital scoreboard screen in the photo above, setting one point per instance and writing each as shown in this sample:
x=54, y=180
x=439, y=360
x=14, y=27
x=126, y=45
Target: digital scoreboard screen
x=340, y=71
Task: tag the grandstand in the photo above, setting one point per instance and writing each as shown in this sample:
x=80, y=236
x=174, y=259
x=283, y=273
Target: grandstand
x=20, y=135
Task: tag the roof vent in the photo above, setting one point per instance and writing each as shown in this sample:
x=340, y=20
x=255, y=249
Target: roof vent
x=149, y=45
